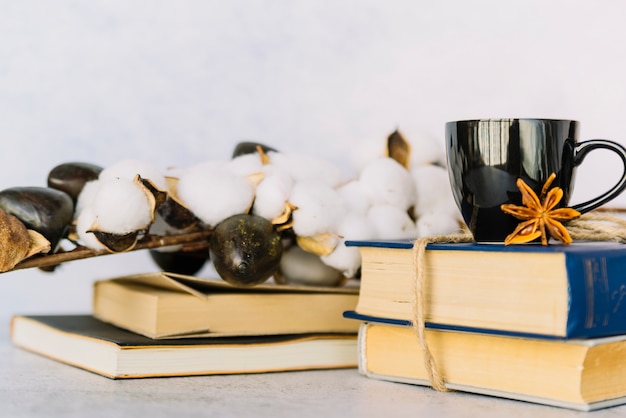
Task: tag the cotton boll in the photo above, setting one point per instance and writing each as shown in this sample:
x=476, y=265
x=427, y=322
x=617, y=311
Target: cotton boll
x=128, y=169
x=214, y=195
x=348, y=259
x=385, y=181
x=391, y=222
x=436, y=223
x=271, y=194
x=301, y=267
x=368, y=150
x=318, y=208
x=432, y=189
x=426, y=149
x=354, y=196
x=245, y=164
x=85, y=220
x=86, y=196
x=305, y=167
x=122, y=206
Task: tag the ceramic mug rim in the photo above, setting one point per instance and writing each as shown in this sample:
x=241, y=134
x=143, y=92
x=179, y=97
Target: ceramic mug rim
x=491, y=120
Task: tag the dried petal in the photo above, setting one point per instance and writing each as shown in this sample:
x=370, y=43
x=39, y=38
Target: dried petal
x=552, y=199
x=564, y=214
x=15, y=241
x=546, y=185
x=529, y=197
x=558, y=231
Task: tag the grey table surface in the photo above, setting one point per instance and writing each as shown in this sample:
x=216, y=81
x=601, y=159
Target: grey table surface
x=34, y=386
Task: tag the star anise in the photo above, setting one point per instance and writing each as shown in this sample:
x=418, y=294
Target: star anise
x=539, y=217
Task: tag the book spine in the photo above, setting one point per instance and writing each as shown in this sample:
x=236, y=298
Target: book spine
x=597, y=294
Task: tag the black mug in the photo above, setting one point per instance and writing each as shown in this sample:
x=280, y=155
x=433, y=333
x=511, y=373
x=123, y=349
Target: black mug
x=487, y=156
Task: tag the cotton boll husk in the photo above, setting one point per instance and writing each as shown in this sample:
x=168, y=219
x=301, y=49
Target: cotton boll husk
x=354, y=196
x=214, y=195
x=301, y=267
x=271, y=194
x=437, y=223
x=305, y=167
x=385, y=181
x=319, y=208
x=391, y=222
x=122, y=206
x=128, y=169
x=432, y=189
x=84, y=221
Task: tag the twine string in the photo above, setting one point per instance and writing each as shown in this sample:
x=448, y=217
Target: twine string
x=589, y=227
x=419, y=304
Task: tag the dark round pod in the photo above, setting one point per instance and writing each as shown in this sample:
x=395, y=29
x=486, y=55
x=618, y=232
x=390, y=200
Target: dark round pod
x=180, y=262
x=249, y=147
x=245, y=249
x=43, y=209
x=71, y=177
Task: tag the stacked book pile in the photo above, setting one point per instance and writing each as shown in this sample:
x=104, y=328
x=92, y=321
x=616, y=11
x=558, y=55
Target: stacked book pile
x=532, y=323
x=163, y=324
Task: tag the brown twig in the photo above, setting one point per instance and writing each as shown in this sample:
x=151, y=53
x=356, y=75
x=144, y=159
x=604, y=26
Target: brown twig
x=195, y=240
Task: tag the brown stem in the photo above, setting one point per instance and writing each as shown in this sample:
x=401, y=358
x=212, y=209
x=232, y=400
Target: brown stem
x=195, y=240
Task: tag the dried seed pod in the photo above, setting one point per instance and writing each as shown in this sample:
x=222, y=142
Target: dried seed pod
x=245, y=249
x=43, y=209
x=180, y=262
x=71, y=177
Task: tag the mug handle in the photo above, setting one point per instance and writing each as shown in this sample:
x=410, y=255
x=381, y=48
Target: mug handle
x=580, y=151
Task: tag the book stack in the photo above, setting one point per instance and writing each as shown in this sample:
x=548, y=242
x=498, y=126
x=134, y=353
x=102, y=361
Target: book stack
x=163, y=324
x=544, y=324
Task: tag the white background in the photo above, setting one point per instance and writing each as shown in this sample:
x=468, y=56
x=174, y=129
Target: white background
x=179, y=82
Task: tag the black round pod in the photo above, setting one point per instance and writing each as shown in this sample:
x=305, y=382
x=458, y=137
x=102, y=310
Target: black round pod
x=245, y=249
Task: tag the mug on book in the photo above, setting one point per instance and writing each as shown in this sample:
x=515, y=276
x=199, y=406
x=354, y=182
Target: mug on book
x=487, y=156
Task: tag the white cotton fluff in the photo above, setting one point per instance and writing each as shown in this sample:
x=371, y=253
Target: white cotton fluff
x=391, y=222
x=128, y=169
x=369, y=149
x=348, y=259
x=86, y=196
x=272, y=193
x=302, y=267
x=214, y=194
x=122, y=206
x=305, y=167
x=385, y=181
x=425, y=149
x=354, y=196
x=319, y=207
x=432, y=188
x=245, y=164
x=436, y=223
x=84, y=222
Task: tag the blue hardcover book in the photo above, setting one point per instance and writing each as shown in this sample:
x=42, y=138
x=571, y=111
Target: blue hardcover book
x=558, y=291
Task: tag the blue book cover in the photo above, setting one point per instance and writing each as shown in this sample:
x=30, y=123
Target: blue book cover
x=596, y=274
